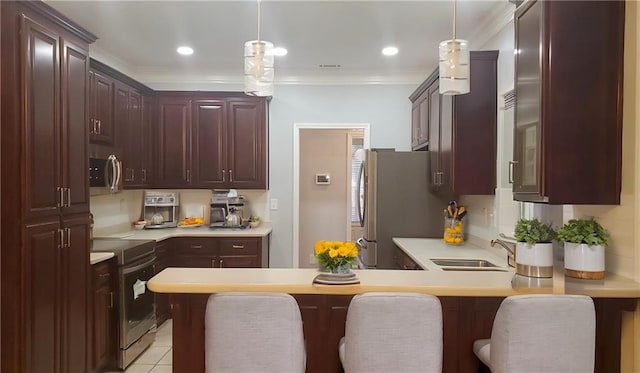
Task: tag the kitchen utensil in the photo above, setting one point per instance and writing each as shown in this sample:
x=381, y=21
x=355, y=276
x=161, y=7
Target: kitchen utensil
x=157, y=218
x=233, y=219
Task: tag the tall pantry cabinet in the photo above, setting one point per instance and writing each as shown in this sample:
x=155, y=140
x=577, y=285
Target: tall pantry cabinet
x=45, y=192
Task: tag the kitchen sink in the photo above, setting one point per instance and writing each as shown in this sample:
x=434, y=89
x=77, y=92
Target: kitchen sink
x=476, y=269
x=472, y=263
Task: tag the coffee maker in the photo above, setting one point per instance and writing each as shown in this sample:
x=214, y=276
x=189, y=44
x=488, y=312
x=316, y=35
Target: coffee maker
x=161, y=209
x=219, y=208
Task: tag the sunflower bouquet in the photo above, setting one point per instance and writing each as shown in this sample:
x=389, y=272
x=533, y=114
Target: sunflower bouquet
x=336, y=256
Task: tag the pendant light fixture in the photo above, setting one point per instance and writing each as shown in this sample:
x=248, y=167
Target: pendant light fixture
x=454, y=63
x=258, y=65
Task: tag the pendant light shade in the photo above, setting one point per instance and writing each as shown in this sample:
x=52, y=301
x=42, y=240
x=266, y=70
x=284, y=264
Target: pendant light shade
x=454, y=67
x=258, y=65
x=258, y=68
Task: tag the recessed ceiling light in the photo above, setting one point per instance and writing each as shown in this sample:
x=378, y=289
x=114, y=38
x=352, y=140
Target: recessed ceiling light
x=184, y=50
x=279, y=51
x=390, y=51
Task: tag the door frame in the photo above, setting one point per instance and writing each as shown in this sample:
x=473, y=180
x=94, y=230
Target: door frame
x=297, y=127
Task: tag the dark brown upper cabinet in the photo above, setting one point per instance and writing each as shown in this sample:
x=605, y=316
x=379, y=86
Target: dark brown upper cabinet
x=173, y=162
x=568, y=111
x=133, y=138
x=211, y=140
x=101, y=123
x=126, y=108
x=461, y=130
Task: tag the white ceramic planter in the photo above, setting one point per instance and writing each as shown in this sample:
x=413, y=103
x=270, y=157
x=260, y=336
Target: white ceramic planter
x=534, y=260
x=584, y=261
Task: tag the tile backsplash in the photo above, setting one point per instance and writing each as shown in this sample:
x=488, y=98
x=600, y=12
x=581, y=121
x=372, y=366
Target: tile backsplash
x=115, y=213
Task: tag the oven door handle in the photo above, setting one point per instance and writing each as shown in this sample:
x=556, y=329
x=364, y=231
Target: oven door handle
x=126, y=270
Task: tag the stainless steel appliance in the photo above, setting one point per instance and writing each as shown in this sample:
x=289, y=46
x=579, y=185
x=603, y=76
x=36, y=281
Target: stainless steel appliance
x=395, y=202
x=221, y=203
x=105, y=170
x=161, y=209
x=137, y=318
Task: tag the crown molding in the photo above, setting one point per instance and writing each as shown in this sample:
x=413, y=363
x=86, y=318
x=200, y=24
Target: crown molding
x=492, y=24
x=156, y=77
x=112, y=61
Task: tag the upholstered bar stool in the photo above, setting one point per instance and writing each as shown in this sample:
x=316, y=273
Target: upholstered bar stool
x=392, y=332
x=253, y=332
x=541, y=333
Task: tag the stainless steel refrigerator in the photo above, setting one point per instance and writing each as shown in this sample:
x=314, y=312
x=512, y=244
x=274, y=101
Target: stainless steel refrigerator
x=395, y=201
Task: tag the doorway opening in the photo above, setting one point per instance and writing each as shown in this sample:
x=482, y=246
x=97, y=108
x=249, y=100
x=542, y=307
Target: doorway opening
x=325, y=172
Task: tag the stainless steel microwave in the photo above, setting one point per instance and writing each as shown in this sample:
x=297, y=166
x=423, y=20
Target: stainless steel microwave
x=105, y=170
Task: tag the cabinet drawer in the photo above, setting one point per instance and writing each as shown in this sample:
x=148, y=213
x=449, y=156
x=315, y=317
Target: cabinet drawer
x=239, y=261
x=239, y=246
x=204, y=246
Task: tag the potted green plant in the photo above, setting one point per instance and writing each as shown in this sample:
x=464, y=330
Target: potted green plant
x=534, y=248
x=584, y=242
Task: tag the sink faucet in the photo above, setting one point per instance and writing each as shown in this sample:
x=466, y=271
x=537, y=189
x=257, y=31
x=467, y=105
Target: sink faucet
x=510, y=247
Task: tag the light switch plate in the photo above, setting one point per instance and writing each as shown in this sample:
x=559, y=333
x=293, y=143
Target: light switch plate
x=274, y=203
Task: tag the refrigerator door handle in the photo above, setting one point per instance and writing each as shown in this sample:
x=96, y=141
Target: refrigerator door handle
x=361, y=206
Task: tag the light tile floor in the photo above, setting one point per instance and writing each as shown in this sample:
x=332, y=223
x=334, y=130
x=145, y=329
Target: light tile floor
x=158, y=358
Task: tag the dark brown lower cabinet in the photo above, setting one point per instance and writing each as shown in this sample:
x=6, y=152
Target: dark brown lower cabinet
x=105, y=315
x=213, y=252
x=465, y=319
x=164, y=259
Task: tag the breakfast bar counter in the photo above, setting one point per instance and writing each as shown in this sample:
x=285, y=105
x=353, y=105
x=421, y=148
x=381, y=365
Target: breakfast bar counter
x=469, y=301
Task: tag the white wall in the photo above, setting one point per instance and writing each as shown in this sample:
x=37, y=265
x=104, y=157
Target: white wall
x=489, y=215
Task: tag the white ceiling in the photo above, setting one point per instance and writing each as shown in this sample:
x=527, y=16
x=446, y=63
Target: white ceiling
x=140, y=37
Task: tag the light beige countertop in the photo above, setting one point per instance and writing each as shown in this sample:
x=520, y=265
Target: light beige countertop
x=96, y=258
x=162, y=234
x=431, y=281
x=299, y=281
x=441, y=283
x=421, y=250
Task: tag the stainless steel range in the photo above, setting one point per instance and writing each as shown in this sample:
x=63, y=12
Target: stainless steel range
x=137, y=319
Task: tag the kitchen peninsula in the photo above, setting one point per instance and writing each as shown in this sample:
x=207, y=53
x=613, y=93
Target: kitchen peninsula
x=469, y=301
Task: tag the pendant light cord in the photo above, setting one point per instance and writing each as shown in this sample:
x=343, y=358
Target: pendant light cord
x=259, y=1
x=454, y=19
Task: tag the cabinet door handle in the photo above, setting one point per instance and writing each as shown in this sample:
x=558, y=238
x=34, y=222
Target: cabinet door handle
x=224, y=172
x=60, y=197
x=104, y=275
x=230, y=176
x=441, y=174
x=133, y=174
x=99, y=127
x=61, y=237
x=144, y=175
x=68, y=197
x=238, y=246
x=213, y=263
x=68, y=232
x=188, y=176
x=196, y=246
x=512, y=165
x=221, y=263
x=111, y=299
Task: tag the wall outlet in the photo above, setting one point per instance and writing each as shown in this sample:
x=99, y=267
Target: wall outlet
x=312, y=259
x=274, y=203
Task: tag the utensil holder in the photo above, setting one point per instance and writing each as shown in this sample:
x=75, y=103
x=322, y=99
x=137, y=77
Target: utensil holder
x=453, y=231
